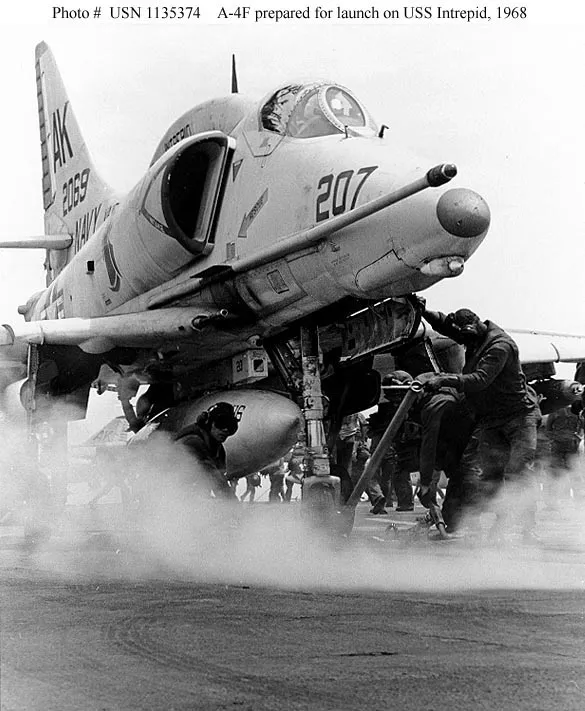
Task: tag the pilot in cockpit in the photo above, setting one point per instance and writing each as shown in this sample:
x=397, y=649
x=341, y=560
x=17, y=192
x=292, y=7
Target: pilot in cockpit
x=309, y=121
x=314, y=110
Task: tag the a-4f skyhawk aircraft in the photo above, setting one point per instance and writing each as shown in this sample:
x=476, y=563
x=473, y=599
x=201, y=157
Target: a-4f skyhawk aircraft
x=269, y=244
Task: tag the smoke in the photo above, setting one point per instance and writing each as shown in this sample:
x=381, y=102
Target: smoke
x=153, y=518
x=14, y=470
x=156, y=520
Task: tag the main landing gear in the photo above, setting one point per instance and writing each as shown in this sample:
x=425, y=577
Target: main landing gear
x=43, y=455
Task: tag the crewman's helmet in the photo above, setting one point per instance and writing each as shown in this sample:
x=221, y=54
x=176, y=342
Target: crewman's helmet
x=221, y=415
x=467, y=323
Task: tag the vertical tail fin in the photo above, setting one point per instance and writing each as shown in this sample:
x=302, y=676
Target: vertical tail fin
x=72, y=187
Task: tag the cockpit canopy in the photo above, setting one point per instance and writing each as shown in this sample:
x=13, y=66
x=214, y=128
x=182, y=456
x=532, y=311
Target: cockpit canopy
x=316, y=109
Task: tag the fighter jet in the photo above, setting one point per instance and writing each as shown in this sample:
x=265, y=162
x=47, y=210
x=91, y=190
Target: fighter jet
x=270, y=244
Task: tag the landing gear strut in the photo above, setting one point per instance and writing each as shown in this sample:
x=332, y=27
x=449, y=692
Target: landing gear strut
x=321, y=490
x=301, y=372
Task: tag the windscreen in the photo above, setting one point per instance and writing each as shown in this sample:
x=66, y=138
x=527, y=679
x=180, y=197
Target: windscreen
x=313, y=110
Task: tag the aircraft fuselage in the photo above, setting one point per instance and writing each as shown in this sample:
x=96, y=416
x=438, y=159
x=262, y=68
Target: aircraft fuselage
x=221, y=187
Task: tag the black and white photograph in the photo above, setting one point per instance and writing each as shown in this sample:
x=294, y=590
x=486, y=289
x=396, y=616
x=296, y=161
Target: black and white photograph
x=292, y=357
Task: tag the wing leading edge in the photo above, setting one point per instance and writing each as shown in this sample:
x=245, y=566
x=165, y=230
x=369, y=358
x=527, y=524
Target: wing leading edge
x=548, y=347
x=98, y=335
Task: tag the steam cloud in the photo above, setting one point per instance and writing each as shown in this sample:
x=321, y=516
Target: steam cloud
x=171, y=529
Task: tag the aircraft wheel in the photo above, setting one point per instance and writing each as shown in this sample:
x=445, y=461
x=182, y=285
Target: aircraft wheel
x=322, y=512
x=319, y=506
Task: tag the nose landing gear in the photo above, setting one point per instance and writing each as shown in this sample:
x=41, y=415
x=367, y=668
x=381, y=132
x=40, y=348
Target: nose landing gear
x=321, y=490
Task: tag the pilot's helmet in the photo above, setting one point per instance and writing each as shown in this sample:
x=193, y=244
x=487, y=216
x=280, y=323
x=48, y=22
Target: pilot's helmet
x=221, y=415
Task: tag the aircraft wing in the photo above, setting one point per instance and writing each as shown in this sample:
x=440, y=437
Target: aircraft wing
x=148, y=328
x=140, y=329
x=548, y=347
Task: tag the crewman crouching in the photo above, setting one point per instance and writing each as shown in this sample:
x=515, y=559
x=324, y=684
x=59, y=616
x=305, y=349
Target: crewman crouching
x=204, y=441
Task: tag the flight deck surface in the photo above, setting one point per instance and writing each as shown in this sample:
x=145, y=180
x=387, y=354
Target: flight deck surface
x=95, y=620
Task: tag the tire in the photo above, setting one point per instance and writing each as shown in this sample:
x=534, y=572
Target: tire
x=322, y=513
x=319, y=507
x=319, y=500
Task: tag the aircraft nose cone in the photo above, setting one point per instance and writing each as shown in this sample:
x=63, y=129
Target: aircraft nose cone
x=463, y=213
